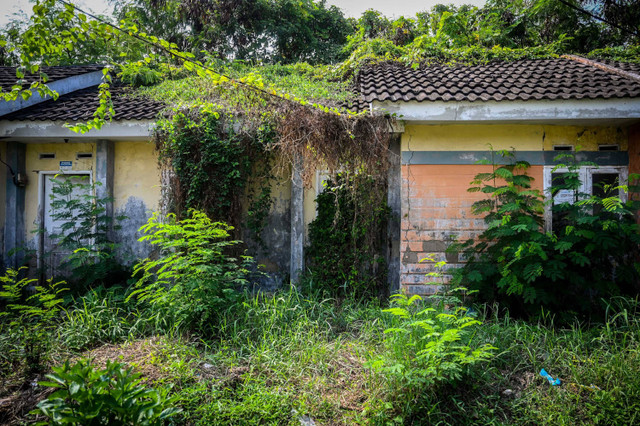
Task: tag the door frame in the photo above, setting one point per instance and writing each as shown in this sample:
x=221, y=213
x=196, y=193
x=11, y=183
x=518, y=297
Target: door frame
x=42, y=174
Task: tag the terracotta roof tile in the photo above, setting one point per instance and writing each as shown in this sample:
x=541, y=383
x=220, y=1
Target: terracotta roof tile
x=518, y=80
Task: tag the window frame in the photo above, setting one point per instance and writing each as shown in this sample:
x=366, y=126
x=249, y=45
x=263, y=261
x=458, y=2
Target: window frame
x=586, y=178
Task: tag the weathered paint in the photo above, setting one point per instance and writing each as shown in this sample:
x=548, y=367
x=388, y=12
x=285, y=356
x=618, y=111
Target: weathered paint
x=585, y=111
x=436, y=210
x=540, y=158
x=136, y=192
x=273, y=256
x=394, y=201
x=136, y=174
x=296, y=267
x=3, y=193
x=34, y=165
x=54, y=131
x=435, y=202
x=522, y=137
x=14, y=205
x=634, y=156
x=310, y=213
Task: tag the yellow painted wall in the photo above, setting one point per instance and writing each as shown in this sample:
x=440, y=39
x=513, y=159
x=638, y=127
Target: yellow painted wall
x=136, y=174
x=478, y=137
x=309, y=206
x=64, y=152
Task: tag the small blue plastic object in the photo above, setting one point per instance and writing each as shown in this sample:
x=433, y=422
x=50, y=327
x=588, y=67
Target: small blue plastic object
x=552, y=381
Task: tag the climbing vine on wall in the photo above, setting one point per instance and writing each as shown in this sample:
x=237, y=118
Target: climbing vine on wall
x=216, y=167
x=347, y=238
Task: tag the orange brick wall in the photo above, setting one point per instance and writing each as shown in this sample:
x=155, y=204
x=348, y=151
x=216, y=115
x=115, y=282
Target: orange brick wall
x=435, y=212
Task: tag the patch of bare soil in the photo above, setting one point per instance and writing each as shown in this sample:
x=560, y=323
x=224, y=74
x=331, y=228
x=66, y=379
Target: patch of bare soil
x=346, y=389
x=21, y=394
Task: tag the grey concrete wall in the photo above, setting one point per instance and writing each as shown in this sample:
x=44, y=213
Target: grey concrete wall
x=297, y=223
x=104, y=174
x=14, y=230
x=394, y=200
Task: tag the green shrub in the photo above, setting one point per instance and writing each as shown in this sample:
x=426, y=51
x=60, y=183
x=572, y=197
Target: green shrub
x=591, y=256
x=428, y=344
x=114, y=395
x=192, y=279
x=347, y=238
x=27, y=321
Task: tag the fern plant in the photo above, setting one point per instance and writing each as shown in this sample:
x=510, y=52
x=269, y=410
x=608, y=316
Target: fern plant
x=28, y=320
x=429, y=344
x=85, y=232
x=568, y=270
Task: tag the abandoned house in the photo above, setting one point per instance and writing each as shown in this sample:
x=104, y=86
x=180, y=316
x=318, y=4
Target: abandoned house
x=448, y=118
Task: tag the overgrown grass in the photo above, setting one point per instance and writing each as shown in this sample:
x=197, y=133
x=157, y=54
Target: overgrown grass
x=275, y=358
x=285, y=354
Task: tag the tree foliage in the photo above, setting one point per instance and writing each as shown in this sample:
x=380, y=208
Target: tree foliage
x=283, y=31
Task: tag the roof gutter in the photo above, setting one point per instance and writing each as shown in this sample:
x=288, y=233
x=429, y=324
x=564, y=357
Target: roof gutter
x=62, y=87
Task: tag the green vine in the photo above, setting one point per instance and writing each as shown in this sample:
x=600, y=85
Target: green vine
x=347, y=238
x=217, y=167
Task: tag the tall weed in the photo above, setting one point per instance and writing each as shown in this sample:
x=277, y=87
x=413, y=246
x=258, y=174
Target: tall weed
x=193, y=279
x=101, y=316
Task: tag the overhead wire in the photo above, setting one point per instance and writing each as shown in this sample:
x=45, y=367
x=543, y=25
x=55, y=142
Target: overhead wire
x=599, y=18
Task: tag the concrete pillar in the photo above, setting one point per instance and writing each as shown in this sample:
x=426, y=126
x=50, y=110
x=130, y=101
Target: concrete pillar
x=297, y=222
x=104, y=174
x=394, y=200
x=634, y=159
x=14, y=230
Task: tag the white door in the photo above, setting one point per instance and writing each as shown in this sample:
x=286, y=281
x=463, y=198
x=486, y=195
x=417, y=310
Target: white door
x=52, y=254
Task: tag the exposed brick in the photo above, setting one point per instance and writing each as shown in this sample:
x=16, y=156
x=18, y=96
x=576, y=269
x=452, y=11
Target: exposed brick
x=422, y=290
x=433, y=246
x=410, y=257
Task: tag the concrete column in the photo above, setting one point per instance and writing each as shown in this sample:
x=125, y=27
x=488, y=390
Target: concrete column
x=14, y=230
x=634, y=159
x=104, y=174
x=394, y=200
x=297, y=222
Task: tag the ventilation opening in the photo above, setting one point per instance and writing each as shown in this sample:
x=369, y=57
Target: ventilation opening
x=47, y=155
x=608, y=148
x=563, y=147
x=83, y=155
